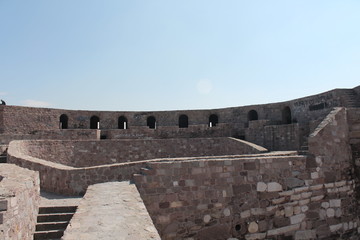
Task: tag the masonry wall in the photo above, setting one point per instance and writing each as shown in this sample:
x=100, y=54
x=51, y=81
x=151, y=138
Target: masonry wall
x=93, y=153
x=258, y=198
x=19, y=202
x=276, y=137
x=24, y=120
x=69, y=134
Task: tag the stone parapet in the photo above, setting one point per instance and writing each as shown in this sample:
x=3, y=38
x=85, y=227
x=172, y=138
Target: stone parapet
x=19, y=202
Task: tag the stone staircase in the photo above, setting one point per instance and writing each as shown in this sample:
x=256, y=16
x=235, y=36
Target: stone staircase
x=52, y=222
x=351, y=98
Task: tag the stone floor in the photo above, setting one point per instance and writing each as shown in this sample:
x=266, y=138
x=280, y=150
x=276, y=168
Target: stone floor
x=54, y=200
x=111, y=211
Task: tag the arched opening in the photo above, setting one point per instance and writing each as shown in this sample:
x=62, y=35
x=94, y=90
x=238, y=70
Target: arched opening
x=151, y=122
x=286, y=115
x=213, y=120
x=183, y=121
x=94, y=122
x=253, y=115
x=122, y=123
x=64, y=121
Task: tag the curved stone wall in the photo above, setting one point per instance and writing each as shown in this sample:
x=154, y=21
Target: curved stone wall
x=15, y=119
x=94, y=153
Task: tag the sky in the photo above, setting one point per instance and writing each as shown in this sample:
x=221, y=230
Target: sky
x=148, y=55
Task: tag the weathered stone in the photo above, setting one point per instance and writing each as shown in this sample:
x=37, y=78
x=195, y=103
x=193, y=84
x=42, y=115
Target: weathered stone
x=255, y=236
x=250, y=166
x=293, y=182
x=245, y=214
x=283, y=230
x=305, y=235
x=261, y=187
x=281, y=221
x=335, y=202
x=207, y=218
x=243, y=188
x=253, y=227
x=226, y=212
x=274, y=187
x=325, y=205
x=289, y=211
x=297, y=218
x=334, y=228
x=330, y=212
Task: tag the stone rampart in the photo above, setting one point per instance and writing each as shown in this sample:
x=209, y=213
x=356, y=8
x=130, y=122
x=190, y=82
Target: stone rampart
x=97, y=164
x=69, y=134
x=22, y=120
x=251, y=198
x=19, y=202
x=93, y=153
x=302, y=197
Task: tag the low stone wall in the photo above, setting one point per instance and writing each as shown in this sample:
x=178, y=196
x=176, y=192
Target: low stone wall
x=68, y=134
x=93, y=153
x=247, y=198
x=111, y=210
x=300, y=197
x=193, y=131
x=19, y=202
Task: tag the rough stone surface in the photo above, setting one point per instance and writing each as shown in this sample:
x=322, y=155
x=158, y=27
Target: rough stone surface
x=19, y=194
x=111, y=210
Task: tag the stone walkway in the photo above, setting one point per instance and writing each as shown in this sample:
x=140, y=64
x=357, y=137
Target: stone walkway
x=54, y=200
x=111, y=211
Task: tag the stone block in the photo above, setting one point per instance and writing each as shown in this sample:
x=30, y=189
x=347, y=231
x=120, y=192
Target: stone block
x=250, y=166
x=289, y=211
x=335, y=202
x=325, y=205
x=335, y=228
x=283, y=230
x=274, y=187
x=294, y=182
x=305, y=235
x=297, y=218
x=253, y=227
x=281, y=221
x=245, y=214
x=261, y=187
x=330, y=212
x=240, y=189
x=255, y=236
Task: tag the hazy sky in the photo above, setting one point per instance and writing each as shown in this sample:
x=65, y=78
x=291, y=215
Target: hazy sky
x=163, y=55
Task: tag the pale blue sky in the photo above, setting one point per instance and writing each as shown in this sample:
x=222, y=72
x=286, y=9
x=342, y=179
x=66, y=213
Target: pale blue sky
x=163, y=55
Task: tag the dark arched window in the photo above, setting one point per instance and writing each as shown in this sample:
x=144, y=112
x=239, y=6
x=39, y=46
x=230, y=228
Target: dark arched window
x=213, y=120
x=94, y=122
x=252, y=115
x=122, y=123
x=151, y=122
x=183, y=121
x=286, y=115
x=64, y=121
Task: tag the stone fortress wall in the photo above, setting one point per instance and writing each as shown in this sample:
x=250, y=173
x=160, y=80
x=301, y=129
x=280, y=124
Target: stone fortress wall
x=196, y=182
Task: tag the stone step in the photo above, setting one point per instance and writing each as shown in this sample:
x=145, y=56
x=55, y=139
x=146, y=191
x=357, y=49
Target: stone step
x=58, y=209
x=54, y=217
x=47, y=226
x=54, y=234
